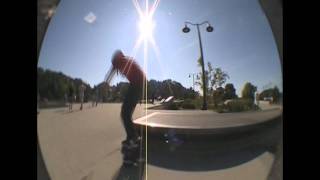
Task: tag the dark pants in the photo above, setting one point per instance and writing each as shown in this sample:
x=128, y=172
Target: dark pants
x=130, y=101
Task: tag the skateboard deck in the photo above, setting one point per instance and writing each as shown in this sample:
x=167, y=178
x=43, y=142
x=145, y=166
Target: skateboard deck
x=133, y=171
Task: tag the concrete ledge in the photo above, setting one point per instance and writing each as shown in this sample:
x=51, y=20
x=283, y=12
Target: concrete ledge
x=206, y=122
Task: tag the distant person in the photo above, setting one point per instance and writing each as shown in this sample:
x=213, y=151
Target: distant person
x=93, y=100
x=65, y=98
x=128, y=68
x=97, y=97
x=152, y=98
x=71, y=97
x=93, y=97
x=81, y=95
x=74, y=98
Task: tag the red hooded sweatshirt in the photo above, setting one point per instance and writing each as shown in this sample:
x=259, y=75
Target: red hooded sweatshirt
x=129, y=69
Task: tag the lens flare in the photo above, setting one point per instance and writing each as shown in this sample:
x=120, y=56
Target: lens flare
x=146, y=26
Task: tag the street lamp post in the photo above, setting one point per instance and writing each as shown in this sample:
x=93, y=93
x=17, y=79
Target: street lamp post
x=186, y=29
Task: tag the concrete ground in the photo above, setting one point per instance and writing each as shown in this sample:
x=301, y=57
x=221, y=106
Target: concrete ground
x=85, y=145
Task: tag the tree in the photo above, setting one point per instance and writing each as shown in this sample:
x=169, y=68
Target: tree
x=248, y=91
x=190, y=94
x=276, y=94
x=152, y=88
x=271, y=92
x=123, y=89
x=217, y=95
x=169, y=88
x=215, y=76
x=54, y=85
x=219, y=77
x=229, y=92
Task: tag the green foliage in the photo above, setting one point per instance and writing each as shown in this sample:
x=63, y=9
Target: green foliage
x=173, y=106
x=218, y=96
x=229, y=92
x=168, y=88
x=198, y=102
x=188, y=104
x=199, y=61
x=248, y=91
x=199, y=80
x=214, y=78
x=122, y=88
x=220, y=109
x=219, y=77
x=272, y=92
x=55, y=85
x=211, y=106
x=239, y=105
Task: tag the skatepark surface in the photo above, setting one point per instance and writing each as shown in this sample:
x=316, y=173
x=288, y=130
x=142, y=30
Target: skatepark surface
x=85, y=145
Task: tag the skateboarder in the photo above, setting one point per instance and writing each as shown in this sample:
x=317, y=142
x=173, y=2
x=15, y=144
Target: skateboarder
x=128, y=68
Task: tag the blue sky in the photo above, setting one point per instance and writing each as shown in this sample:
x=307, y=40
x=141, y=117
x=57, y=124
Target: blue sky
x=241, y=44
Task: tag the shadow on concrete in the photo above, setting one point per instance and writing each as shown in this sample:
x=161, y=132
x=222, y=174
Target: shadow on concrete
x=201, y=161
x=276, y=172
x=130, y=173
x=42, y=172
x=66, y=111
x=211, y=153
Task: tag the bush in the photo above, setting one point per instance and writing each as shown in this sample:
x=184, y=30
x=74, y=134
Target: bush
x=218, y=108
x=197, y=102
x=188, y=104
x=211, y=106
x=172, y=106
x=240, y=105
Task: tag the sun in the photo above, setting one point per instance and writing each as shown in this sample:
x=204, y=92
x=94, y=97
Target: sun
x=146, y=26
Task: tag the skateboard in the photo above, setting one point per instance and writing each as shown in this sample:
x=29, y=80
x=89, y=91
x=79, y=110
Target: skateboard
x=134, y=155
x=130, y=172
x=133, y=164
